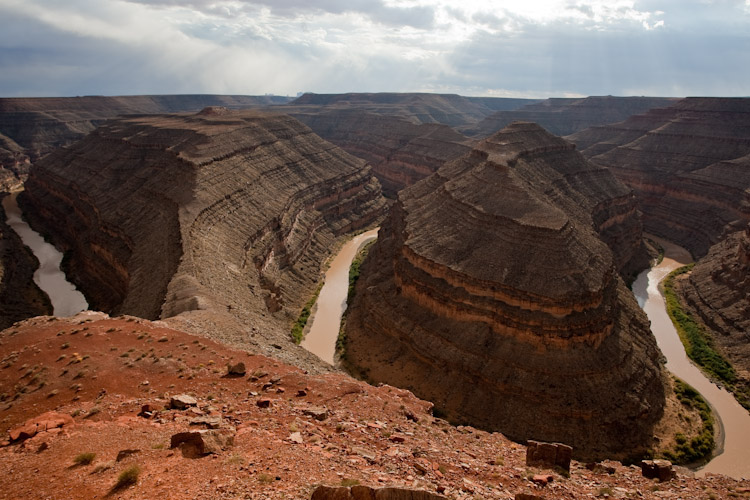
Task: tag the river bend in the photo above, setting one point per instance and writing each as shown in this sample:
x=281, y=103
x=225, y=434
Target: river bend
x=66, y=299
x=733, y=419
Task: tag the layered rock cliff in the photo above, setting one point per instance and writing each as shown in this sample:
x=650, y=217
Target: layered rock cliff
x=689, y=165
x=717, y=290
x=491, y=293
x=400, y=151
x=221, y=211
x=20, y=297
x=564, y=116
x=32, y=127
x=448, y=109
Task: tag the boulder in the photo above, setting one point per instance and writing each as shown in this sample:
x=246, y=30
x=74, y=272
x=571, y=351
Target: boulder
x=540, y=454
x=368, y=493
x=316, y=412
x=657, y=469
x=237, y=370
x=195, y=444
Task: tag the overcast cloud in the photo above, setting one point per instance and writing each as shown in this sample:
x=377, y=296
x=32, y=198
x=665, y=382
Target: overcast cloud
x=526, y=48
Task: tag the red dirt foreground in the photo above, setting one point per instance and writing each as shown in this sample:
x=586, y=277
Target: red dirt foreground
x=93, y=407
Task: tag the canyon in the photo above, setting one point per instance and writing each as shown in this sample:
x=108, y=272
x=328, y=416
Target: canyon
x=565, y=116
x=220, y=220
x=497, y=288
x=492, y=292
x=688, y=165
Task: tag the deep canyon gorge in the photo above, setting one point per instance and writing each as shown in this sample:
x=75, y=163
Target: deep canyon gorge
x=497, y=289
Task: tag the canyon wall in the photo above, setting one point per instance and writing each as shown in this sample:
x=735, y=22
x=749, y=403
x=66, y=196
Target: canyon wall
x=230, y=212
x=32, y=127
x=717, y=290
x=20, y=297
x=688, y=164
x=449, y=109
x=491, y=293
x=400, y=152
x=564, y=116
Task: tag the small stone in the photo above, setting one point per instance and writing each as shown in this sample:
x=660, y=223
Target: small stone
x=316, y=412
x=301, y=393
x=295, y=437
x=182, y=402
x=237, y=370
x=123, y=454
x=263, y=403
x=540, y=454
x=542, y=479
x=209, y=422
x=397, y=438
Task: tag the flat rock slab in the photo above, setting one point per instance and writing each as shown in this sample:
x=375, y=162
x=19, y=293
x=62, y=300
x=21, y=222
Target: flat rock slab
x=182, y=402
x=367, y=493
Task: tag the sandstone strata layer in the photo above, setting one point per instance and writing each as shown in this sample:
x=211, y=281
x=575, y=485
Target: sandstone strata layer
x=564, y=116
x=718, y=290
x=227, y=212
x=689, y=165
x=448, y=109
x=400, y=151
x=20, y=297
x=491, y=292
x=32, y=127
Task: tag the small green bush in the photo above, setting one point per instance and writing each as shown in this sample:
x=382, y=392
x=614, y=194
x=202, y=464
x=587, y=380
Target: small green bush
x=299, y=326
x=84, y=458
x=128, y=477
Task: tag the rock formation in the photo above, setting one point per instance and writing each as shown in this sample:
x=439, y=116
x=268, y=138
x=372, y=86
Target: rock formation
x=20, y=297
x=32, y=127
x=491, y=293
x=399, y=151
x=718, y=289
x=222, y=211
x=564, y=116
x=688, y=164
x=448, y=109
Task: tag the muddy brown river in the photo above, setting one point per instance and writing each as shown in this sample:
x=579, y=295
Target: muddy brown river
x=331, y=304
x=66, y=299
x=733, y=438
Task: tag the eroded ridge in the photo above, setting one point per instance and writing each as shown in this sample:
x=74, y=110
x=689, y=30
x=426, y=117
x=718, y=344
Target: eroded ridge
x=491, y=292
x=221, y=211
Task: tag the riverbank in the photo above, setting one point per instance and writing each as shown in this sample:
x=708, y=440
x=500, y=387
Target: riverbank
x=732, y=420
x=325, y=318
x=65, y=298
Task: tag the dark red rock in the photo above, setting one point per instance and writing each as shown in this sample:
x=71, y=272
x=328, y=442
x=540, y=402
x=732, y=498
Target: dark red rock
x=657, y=469
x=263, y=403
x=548, y=455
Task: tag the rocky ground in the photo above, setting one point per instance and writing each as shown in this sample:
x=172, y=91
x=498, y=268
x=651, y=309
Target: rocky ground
x=291, y=430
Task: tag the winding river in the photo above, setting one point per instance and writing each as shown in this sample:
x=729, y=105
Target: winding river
x=66, y=299
x=733, y=436
x=331, y=304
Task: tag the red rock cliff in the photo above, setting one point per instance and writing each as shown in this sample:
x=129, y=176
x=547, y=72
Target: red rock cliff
x=490, y=293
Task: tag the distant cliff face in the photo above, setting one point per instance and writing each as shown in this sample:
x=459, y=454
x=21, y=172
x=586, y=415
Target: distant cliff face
x=718, y=289
x=32, y=127
x=449, y=109
x=688, y=164
x=564, y=116
x=491, y=293
x=400, y=152
x=230, y=212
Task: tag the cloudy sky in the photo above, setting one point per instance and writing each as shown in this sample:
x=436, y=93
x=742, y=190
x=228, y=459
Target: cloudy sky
x=523, y=48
